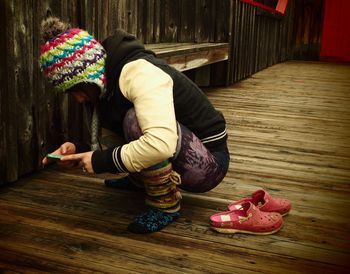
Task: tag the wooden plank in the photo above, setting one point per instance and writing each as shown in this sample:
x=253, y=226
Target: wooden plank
x=101, y=22
x=46, y=135
x=258, y=44
x=307, y=38
x=112, y=16
x=235, y=27
x=222, y=21
x=242, y=51
x=291, y=15
x=124, y=15
x=141, y=20
x=245, y=34
x=23, y=81
x=205, y=21
x=188, y=20
x=87, y=14
x=132, y=17
x=195, y=60
x=229, y=72
x=265, y=42
x=187, y=56
x=11, y=129
x=170, y=24
x=252, y=44
x=262, y=41
x=271, y=43
x=279, y=49
x=148, y=20
x=169, y=49
x=4, y=98
x=158, y=13
x=218, y=74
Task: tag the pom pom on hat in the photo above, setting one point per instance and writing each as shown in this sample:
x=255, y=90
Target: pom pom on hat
x=70, y=56
x=51, y=27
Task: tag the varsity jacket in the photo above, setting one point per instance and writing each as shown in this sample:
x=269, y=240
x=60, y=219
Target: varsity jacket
x=161, y=96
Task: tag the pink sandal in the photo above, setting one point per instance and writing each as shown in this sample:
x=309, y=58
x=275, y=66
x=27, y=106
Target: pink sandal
x=264, y=202
x=249, y=219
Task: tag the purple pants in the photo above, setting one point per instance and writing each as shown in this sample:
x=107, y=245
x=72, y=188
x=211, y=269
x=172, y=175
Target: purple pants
x=200, y=169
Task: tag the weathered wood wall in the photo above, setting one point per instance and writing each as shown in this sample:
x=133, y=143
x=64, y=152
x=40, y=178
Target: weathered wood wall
x=308, y=29
x=259, y=39
x=3, y=96
x=34, y=120
x=156, y=21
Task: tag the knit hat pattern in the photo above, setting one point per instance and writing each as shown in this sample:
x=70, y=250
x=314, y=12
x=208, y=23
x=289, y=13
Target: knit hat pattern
x=73, y=57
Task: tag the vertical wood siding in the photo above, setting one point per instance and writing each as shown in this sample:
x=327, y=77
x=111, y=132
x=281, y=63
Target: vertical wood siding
x=308, y=29
x=259, y=39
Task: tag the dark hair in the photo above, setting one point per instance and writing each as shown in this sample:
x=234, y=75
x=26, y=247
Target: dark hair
x=51, y=27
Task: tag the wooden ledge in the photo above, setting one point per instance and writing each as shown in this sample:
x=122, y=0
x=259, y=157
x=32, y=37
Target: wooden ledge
x=186, y=56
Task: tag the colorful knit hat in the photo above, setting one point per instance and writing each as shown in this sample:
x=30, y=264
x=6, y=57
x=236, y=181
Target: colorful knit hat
x=73, y=57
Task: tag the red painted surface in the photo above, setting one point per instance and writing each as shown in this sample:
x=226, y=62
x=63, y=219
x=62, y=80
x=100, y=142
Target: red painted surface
x=280, y=8
x=335, y=45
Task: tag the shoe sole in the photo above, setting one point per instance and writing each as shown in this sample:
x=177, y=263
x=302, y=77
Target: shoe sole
x=233, y=231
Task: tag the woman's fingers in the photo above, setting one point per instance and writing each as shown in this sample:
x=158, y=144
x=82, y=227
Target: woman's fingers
x=65, y=149
x=84, y=160
x=45, y=161
x=73, y=157
x=70, y=160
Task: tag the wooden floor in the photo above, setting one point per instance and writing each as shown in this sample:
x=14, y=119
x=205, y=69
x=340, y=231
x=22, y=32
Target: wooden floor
x=289, y=132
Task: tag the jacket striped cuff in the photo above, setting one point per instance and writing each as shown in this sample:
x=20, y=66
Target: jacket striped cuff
x=215, y=137
x=108, y=160
x=117, y=159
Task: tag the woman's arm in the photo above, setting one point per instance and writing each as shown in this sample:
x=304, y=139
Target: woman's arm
x=151, y=91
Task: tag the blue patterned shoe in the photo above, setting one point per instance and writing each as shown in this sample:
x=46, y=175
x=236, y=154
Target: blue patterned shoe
x=122, y=183
x=152, y=220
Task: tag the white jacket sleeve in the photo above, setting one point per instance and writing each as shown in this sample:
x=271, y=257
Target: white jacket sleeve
x=151, y=91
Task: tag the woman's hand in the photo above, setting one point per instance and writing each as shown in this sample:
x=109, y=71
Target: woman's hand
x=65, y=149
x=84, y=160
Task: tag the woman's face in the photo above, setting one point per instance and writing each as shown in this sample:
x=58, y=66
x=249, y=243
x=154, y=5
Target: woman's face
x=80, y=96
x=85, y=92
